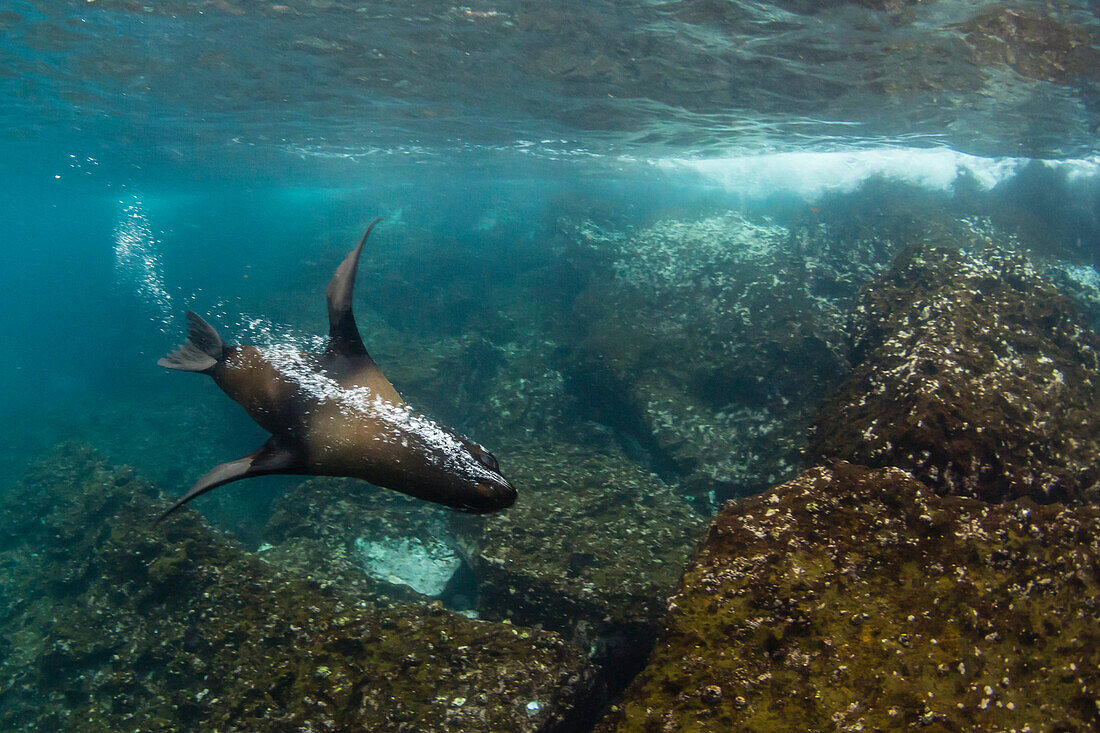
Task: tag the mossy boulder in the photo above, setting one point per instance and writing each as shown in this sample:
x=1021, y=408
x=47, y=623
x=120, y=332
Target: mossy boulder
x=858, y=599
x=974, y=373
x=115, y=623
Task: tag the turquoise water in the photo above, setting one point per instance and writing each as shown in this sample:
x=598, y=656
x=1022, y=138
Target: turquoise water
x=535, y=165
x=103, y=279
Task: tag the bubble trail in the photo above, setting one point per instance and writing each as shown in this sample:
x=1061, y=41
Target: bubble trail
x=137, y=262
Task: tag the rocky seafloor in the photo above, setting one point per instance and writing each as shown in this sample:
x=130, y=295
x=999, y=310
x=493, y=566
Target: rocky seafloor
x=114, y=623
x=902, y=383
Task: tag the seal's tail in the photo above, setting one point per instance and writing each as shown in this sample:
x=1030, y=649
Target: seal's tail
x=200, y=352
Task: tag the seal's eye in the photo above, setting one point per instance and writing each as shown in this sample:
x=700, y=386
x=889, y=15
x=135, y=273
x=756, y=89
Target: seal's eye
x=487, y=459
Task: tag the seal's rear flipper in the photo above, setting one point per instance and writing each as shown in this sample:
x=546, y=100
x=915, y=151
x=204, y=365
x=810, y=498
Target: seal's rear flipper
x=270, y=459
x=200, y=352
x=345, y=358
x=342, y=332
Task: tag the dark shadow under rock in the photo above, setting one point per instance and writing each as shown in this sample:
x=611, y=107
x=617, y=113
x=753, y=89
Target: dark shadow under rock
x=858, y=599
x=115, y=623
x=591, y=549
x=974, y=373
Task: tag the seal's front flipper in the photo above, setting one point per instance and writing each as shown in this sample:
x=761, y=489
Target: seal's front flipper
x=272, y=458
x=345, y=357
x=200, y=352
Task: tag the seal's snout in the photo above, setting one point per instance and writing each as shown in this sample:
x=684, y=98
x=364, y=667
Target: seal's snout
x=507, y=494
x=496, y=495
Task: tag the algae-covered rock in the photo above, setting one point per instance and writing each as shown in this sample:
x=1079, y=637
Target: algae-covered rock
x=858, y=599
x=115, y=623
x=974, y=373
x=591, y=550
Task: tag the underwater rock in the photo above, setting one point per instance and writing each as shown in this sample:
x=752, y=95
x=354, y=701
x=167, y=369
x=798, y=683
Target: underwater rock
x=507, y=394
x=975, y=374
x=858, y=599
x=117, y=623
x=710, y=340
x=1039, y=46
x=1081, y=284
x=424, y=565
x=591, y=551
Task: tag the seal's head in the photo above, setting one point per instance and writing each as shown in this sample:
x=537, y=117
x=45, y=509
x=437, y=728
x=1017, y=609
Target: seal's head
x=476, y=484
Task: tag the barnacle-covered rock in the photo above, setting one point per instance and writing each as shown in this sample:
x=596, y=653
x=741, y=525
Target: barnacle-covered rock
x=858, y=599
x=591, y=550
x=116, y=623
x=974, y=373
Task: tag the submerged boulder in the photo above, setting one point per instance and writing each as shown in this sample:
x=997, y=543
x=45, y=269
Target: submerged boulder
x=116, y=623
x=373, y=543
x=713, y=338
x=858, y=599
x=974, y=373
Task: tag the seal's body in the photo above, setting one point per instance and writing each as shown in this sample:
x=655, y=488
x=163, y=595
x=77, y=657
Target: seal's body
x=336, y=414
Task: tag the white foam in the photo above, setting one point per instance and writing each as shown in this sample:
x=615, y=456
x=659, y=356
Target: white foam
x=812, y=174
x=1080, y=169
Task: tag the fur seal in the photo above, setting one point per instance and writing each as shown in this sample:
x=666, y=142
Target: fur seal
x=336, y=414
